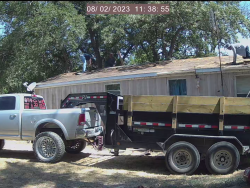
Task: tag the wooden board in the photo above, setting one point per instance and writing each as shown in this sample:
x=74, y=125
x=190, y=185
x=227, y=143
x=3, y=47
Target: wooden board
x=175, y=109
x=130, y=109
x=150, y=103
x=153, y=107
x=237, y=101
x=191, y=108
x=198, y=100
x=198, y=104
x=189, y=104
x=152, y=99
x=237, y=105
x=222, y=111
x=240, y=110
x=125, y=102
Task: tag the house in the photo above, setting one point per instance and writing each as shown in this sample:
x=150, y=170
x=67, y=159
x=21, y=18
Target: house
x=193, y=77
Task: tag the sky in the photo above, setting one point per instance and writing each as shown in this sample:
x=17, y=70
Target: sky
x=244, y=41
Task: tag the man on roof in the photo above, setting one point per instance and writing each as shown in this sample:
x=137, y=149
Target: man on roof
x=239, y=49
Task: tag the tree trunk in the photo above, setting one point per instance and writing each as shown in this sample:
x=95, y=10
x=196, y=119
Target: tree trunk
x=173, y=41
x=164, y=51
x=155, y=54
x=120, y=56
x=67, y=65
x=127, y=52
x=95, y=44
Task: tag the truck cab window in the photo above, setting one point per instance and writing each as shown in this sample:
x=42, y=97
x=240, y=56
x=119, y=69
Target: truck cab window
x=34, y=103
x=7, y=103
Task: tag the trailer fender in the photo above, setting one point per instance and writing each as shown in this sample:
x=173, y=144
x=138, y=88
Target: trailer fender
x=202, y=142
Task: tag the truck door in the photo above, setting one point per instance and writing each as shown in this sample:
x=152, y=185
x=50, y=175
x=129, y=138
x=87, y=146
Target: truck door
x=9, y=117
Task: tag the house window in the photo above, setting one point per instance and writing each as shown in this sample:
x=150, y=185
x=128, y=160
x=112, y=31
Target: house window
x=113, y=88
x=177, y=87
x=242, y=86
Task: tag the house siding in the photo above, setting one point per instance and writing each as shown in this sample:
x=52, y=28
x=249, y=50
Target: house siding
x=209, y=85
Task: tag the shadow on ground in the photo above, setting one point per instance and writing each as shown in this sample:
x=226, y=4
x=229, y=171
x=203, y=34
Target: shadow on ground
x=148, y=164
x=59, y=176
x=29, y=155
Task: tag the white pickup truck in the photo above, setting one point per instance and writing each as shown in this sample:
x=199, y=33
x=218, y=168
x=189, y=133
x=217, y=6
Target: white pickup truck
x=52, y=131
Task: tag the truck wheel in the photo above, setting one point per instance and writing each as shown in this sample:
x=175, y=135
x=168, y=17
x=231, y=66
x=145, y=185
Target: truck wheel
x=48, y=147
x=182, y=158
x=2, y=143
x=75, y=146
x=222, y=158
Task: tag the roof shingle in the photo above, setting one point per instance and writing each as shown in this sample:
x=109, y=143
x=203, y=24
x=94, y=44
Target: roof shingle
x=174, y=66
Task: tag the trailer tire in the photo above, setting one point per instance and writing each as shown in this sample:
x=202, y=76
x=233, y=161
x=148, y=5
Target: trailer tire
x=78, y=146
x=2, y=143
x=182, y=158
x=48, y=147
x=222, y=158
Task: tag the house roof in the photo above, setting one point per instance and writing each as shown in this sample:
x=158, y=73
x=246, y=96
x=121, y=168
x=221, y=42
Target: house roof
x=154, y=69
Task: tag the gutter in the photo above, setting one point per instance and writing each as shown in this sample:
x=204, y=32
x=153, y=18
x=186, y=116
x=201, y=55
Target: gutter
x=114, y=78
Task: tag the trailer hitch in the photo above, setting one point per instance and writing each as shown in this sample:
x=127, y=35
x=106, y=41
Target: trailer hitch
x=98, y=143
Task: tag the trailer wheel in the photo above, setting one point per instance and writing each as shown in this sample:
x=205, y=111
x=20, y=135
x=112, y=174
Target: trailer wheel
x=48, y=147
x=222, y=158
x=2, y=143
x=182, y=158
x=75, y=146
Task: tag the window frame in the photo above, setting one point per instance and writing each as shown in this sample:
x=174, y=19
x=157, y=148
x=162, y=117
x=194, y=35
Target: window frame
x=105, y=85
x=179, y=78
x=235, y=84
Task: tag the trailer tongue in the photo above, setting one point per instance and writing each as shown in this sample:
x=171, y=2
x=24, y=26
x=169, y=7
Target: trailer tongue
x=186, y=128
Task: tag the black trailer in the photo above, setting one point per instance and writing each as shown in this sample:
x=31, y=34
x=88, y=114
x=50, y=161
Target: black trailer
x=186, y=129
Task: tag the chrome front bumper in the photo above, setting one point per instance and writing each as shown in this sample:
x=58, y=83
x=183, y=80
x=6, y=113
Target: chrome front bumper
x=88, y=132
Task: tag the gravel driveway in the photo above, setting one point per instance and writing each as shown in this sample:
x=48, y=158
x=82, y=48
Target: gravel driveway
x=19, y=168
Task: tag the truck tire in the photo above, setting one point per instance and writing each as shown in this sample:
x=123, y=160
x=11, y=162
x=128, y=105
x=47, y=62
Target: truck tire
x=222, y=158
x=48, y=147
x=182, y=158
x=75, y=146
x=2, y=143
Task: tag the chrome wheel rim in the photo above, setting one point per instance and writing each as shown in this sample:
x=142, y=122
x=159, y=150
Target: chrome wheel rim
x=222, y=159
x=182, y=159
x=46, y=147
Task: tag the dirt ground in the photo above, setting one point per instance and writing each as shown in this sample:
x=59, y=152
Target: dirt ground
x=19, y=168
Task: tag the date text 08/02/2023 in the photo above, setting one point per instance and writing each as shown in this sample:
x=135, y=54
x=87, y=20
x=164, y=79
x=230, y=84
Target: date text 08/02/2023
x=128, y=9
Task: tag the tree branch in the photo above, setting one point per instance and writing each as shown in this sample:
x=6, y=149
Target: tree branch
x=127, y=52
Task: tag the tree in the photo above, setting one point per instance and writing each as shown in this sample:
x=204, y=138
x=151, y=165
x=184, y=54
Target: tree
x=41, y=41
